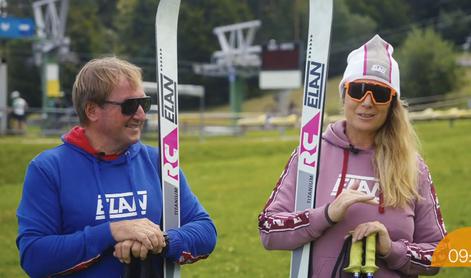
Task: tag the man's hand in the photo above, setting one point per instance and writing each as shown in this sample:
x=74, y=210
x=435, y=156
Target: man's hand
x=125, y=249
x=142, y=230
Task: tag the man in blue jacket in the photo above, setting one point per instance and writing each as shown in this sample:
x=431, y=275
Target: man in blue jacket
x=94, y=201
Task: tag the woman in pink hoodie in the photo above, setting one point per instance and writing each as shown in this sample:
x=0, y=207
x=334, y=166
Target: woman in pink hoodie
x=371, y=180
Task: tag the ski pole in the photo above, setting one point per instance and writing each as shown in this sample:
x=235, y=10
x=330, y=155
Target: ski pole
x=356, y=254
x=370, y=255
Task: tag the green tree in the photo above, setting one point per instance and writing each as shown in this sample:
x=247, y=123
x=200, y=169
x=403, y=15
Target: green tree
x=287, y=20
x=427, y=64
x=23, y=75
x=197, y=42
x=198, y=18
x=135, y=26
x=391, y=17
x=349, y=31
x=455, y=25
x=86, y=29
x=282, y=20
x=89, y=38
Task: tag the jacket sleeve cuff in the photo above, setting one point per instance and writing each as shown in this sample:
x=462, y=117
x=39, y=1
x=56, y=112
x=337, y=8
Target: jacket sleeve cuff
x=99, y=238
x=175, y=245
x=397, y=257
x=326, y=214
x=318, y=220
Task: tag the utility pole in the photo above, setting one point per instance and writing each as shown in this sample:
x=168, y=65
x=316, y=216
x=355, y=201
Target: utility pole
x=3, y=76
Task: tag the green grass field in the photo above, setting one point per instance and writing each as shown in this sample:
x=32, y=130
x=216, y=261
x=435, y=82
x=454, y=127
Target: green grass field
x=233, y=177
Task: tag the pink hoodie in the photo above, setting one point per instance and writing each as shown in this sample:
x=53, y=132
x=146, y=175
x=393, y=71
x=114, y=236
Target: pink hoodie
x=414, y=230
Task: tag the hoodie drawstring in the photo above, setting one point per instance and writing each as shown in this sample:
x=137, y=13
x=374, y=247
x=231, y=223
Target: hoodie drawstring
x=346, y=155
x=106, y=206
x=133, y=186
x=381, y=203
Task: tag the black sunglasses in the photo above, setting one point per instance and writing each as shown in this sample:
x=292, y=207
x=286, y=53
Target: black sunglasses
x=381, y=94
x=130, y=106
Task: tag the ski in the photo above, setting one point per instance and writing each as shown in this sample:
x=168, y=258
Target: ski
x=166, y=22
x=317, y=53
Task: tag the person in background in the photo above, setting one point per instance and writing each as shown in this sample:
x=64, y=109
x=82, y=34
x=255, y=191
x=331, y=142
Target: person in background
x=371, y=179
x=19, y=108
x=93, y=202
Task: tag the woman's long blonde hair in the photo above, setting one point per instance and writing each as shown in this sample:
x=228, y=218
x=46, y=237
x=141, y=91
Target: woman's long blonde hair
x=395, y=161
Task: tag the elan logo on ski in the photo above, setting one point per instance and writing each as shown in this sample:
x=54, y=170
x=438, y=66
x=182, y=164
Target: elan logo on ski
x=314, y=84
x=168, y=98
x=170, y=152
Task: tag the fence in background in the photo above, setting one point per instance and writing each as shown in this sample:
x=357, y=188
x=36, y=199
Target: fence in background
x=56, y=121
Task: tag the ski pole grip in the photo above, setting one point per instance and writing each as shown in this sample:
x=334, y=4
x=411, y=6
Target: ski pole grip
x=370, y=256
x=356, y=254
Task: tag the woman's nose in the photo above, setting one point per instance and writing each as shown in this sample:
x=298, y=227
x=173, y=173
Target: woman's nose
x=368, y=100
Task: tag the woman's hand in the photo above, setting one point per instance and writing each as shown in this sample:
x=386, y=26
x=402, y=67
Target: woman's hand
x=383, y=243
x=338, y=208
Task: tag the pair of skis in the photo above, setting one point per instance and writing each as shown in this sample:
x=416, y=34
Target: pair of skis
x=317, y=53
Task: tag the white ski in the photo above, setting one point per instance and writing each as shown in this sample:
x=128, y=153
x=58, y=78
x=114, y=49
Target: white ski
x=166, y=22
x=317, y=53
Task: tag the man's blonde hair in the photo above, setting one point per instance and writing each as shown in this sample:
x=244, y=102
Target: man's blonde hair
x=97, y=79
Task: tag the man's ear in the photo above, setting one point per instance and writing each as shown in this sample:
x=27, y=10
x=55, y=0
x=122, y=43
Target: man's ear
x=92, y=110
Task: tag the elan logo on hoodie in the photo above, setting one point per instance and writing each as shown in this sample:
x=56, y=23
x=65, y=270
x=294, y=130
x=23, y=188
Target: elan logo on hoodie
x=368, y=185
x=121, y=205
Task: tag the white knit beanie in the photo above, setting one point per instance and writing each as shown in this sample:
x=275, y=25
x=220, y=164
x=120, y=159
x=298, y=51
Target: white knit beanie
x=374, y=61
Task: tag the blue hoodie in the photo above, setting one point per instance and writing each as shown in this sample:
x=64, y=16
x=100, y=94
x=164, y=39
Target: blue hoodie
x=64, y=220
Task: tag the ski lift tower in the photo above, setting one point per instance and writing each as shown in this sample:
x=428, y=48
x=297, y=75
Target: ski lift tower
x=237, y=59
x=52, y=45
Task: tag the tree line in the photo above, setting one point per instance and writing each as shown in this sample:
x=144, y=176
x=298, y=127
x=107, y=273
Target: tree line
x=426, y=35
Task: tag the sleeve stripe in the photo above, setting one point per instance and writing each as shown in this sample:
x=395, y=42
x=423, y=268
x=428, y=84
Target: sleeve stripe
x=268, y=223
x=79, y=267
x=188, y=258
x=437, y=211
x=280, y=180
x=279, y=224
x=419, y=256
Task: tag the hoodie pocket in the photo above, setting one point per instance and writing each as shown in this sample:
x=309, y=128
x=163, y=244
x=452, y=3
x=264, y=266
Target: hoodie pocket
x=323, y=267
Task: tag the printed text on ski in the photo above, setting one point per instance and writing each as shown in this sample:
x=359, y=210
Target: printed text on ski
x=168, y=98
x=315, y=78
